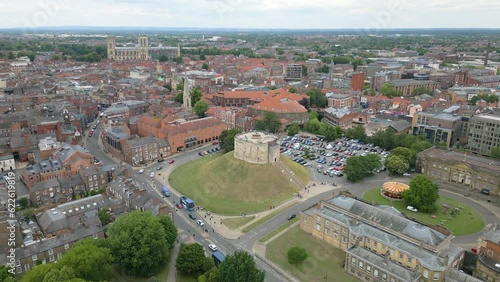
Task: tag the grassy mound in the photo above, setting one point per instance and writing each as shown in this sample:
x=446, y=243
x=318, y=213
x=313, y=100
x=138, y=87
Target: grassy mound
x=225, y=185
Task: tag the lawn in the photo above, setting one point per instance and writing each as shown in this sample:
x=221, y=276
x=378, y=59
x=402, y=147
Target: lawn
x=300, y=171
x=183, y=278
x=120, y=276
x=268, y=217
x=324, y=260
x=237, y=222
x=227, y=186
x=278, y=230
x=455, y=223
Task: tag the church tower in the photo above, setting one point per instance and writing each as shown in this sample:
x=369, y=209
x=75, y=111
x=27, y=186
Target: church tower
x=111, y=47
x=143, y=50
x=173, y=80
x=187, y=94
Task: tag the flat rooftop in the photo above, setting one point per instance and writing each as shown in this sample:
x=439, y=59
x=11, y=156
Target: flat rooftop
x=256, y=137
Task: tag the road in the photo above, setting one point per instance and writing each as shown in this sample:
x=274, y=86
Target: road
x=247, y=241
x=180, y=217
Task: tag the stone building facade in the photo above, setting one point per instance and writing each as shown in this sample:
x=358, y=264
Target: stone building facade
x=256, y=148
x=381, y=244
x=473, y=172
x=142, y=51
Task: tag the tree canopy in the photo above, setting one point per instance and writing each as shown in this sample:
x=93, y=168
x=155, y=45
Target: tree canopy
x=296, y=255
x=271, y=123
x=195, y=95
x=200, y=108
x=240, y=267
x=423, y=194
x=359, y=167
x=170, y=229
x=293, y=129
x=317, y=98
x=139, y=243
x=357, y=132
x=191, y=259
x=495, y=152
x=226, y=139
x=396, y=164
x=388, y=90
x=488, y=98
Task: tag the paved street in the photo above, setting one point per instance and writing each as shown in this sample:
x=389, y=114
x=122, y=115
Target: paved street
x=247, y=241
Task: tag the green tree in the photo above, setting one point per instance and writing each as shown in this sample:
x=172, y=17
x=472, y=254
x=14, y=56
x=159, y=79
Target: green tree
x=23, y=203
x=332, y=133
x=226, y=139
x=200, y=108
x=296, y=255
x=317, y=98
x=139, y=243
x=407, y=154
x=29, y=212
x=293, y=90
x=358, y=167
x=5, y=274
x=11, y=56
x=324, y=69
x=420, y=146
x=88, y=261
x=104, y=216
x=56, y=57
x=388, y=90
x=65, y=273
x=260, y=125
x=313, y=115
x=203, y=58
x=170, y=230
x=153, y=279
x=195, y=95
x=163, y=58
x=357, y=132
x=280, y=51
x=191, y=259
x=293, y=129
x=271, y=123
x=384, y=138
x=396, y=164
x=177, y=60
x=38, y=273
x=204, y=66
x=179, y=98
x=423, y=194
x=240, y=267
x=495, y=152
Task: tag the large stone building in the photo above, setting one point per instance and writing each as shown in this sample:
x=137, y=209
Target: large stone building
x=256, y=147
x=407, y=86
x=141, y=51
x=382, y=244
x=473, y=172
x=488, y=249
x=484, y=134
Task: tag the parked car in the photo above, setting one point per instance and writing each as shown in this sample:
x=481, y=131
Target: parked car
x=410, y=208
x=406, y=174
x=152, y=174
x=292, y=216
x=179, y=206
x=485, y=192
x=159, y=168
x=215, y=142
x=161, y=160
x=141, y=171
x=192, y=216
x=212, y=247
x=200, y=223
x=171, y=161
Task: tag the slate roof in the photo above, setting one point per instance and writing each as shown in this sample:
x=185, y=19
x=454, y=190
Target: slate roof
x=400, y=125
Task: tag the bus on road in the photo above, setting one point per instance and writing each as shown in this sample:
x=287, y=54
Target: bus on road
x=218, y=258
x=187, y=203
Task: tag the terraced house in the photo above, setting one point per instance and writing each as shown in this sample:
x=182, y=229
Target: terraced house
x=381, y=244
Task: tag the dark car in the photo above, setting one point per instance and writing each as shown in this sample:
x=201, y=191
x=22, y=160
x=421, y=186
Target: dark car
x=485, y=192
x=159, y=168
x=292, y=216
x=161, y=160
x=192, y=216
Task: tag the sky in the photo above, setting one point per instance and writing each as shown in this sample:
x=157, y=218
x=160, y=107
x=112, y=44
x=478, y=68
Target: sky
x=264, y=14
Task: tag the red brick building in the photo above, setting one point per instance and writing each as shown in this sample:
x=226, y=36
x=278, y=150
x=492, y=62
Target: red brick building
x=358, y=81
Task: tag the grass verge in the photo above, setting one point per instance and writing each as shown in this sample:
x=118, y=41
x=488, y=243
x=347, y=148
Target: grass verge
x=237, y=222
x=323, y=260
x=300, y=171
x=278, y=230
x=454, y=223
x=268, y=217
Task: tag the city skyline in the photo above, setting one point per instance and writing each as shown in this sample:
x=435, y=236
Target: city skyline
x=258, y=14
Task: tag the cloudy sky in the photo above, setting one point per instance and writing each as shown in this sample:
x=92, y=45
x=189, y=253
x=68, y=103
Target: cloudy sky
x=329, y=14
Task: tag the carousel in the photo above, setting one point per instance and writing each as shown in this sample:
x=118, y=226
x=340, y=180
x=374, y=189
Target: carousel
x=394, y=190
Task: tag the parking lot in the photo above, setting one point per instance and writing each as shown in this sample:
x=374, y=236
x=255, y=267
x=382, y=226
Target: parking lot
x=327, y=159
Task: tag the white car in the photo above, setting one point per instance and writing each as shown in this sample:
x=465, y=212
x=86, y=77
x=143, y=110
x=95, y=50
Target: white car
x=141, y=171
x=200, y=223
x=406, y=174
x=212, y=247
x=152, y=174
x=410, y=208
